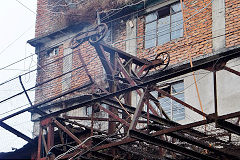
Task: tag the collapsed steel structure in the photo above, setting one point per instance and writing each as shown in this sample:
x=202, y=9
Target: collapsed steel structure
x=158, y=137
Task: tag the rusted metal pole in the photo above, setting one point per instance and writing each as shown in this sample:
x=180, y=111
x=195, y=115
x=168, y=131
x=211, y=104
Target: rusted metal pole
x=44, y=144
x=39, y=144
x=28, y=98
x=138, y=110
x=50, y=135
x=114, y=115
x=16, y=132
x=231, y=70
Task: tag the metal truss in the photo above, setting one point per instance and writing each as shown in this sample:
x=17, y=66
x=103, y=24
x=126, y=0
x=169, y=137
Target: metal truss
x=132, y=132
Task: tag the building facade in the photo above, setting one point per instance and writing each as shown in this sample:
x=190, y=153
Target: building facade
x=187, y=30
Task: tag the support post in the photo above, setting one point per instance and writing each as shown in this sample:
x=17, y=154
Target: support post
x=215, y=93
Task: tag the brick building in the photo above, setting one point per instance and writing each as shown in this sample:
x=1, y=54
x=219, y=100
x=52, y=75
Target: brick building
x=143, y=29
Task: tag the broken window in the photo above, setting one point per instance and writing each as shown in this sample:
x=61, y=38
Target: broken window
x=164, y=25
x=52, y=52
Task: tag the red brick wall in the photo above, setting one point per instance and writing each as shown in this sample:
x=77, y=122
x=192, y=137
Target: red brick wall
x=199, y=33
x=49, y=19
x=198, y=38
x=49, y=67
x=232, y=22
x=92, y=61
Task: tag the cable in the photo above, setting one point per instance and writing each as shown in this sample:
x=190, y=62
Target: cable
x=114, y=43
x=26, y=7
x=14, y=109
x=72, y=70
x=15, y=40
x=76, y=147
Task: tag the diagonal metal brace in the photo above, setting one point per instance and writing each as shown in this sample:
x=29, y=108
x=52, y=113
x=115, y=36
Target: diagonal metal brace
x=29, y=100
x=16, y=132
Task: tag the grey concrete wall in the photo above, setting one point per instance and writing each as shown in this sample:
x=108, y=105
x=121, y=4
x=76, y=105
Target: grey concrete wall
x=67, y=66
x=228, y=92
x=131, y=32
x=218, y=24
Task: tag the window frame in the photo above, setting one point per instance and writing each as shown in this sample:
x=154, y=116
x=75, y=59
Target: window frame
x=156, y=33
x=52, y=52
x=171, y=104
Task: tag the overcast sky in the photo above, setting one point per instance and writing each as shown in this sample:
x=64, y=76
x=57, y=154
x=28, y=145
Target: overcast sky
x=17, y=26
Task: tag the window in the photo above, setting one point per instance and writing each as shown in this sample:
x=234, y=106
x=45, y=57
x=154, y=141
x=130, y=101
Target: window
x=163, y=25
x=89, y=110
x=173, y=109
x=53, y=51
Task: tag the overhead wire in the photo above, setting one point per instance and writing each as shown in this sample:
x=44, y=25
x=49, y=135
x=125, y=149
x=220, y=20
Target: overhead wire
x=117, y=19
x=26, y=7
x=55, y=77
x=74, y=35
x=10, y=44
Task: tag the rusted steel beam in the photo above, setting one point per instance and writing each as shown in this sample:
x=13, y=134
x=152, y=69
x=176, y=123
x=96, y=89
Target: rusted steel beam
x=67, y=131
x=104, y=60
x=231, y=70
x=206, y=62
x=195, y=142
x=230, y=115
x=50, y=136
x=180, y=101
x=45, y=102
x=113, y=144
x=229, y=126
x=39, y=143
x=114, y=115
x=124, y=55
x=138, y=110
x=44, y=143
x=87, y=118
x=133, y=83
x=170, y=146
x=16, y=132
x=180, y=127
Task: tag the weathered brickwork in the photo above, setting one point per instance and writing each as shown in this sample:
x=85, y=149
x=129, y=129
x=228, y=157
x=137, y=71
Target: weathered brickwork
x=93, y=65
x=197, y=41
x=49, y=67
x=232, y=22
x=198, y=36
x=49, y=19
